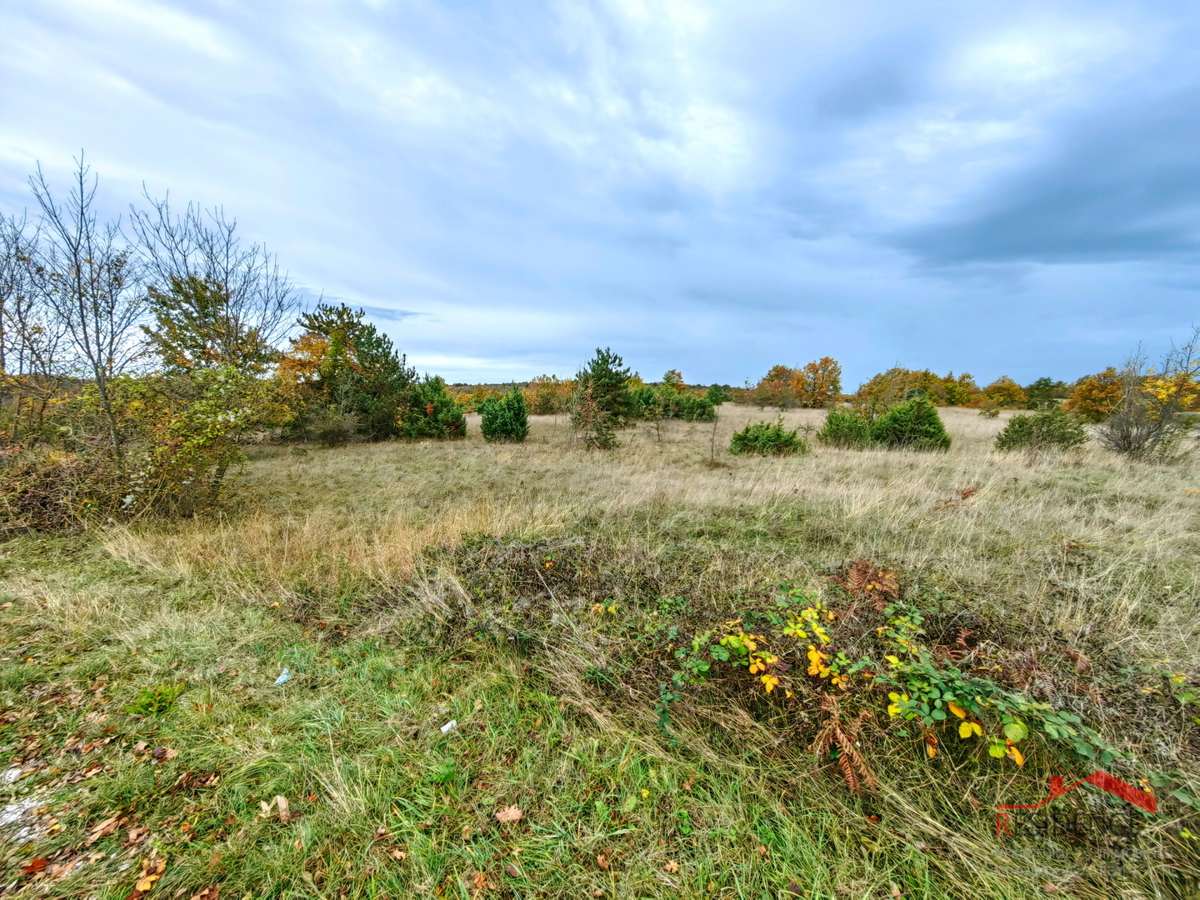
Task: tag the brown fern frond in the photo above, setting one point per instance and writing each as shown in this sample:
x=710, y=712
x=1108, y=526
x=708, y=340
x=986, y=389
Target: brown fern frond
x=848, y=774
x=864, y=580
x=834, y=733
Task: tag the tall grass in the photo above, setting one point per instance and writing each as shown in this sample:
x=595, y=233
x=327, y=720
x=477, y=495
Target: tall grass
x=406, y=585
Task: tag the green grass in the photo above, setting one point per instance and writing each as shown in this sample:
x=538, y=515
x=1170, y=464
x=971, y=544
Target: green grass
x=556, y=703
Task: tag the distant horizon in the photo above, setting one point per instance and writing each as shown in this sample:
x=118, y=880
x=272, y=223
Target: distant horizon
x=1002, y=189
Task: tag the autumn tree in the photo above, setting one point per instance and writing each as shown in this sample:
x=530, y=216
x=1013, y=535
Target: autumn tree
x=819, y=384
x=774, y=389
x=1005, y=393
x=883, y=391
x=1096, y=396
x=546, y=395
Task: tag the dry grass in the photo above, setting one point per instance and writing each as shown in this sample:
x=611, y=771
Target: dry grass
x=335, y=562
x=1072, y=541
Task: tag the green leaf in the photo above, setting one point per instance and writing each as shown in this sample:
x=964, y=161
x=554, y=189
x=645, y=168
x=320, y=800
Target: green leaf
x=939, y=714
x=996, y=750
x=1016, y=731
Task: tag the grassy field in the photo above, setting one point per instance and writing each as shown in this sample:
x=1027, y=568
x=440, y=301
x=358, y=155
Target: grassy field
x=537, y=596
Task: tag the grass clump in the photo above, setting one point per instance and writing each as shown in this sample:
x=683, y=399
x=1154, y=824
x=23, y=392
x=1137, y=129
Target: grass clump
x=913, y=424
x=1048, y=429
x=768, y=439
x=846, y=429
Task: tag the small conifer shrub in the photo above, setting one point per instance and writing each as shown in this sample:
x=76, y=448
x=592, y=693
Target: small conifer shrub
x=768, y=439
x=1048, y=429
x=845, y=428
x=428, y=411
x=504, y=418
x=913, y=424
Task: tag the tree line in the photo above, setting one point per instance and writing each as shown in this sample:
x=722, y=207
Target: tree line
x=139, y=355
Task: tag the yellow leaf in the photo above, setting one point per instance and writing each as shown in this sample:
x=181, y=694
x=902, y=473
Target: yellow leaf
x=1015, y=754
x=769, y=681
x=957, y=710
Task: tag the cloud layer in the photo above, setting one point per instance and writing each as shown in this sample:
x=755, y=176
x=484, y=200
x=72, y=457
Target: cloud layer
x=1000, y=187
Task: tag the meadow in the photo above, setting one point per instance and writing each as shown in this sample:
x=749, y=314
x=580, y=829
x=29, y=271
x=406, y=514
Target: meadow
x=539, y=596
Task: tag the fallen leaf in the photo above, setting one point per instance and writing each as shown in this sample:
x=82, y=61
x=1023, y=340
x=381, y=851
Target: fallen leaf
x=398, y=855
x=794, y=888
x=208, y=893
x=152, y=871
x=105, y=828
x=137, y=835
x=671, y=867
x=763, y=852
x=509, y=814
x=1050, y=888
x=513, y=870
x=602, y=862
x=34, y=866
x=467, y=831
x=896, y=892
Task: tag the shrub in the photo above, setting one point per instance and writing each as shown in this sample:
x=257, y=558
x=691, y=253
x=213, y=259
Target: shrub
x=690, y=408
x=1048, y=429
x=53, y=491
x=914, y=424
x=504, y=418
x=844, y=428
x=1145, y=423
x=428, y=411
x=768, y=439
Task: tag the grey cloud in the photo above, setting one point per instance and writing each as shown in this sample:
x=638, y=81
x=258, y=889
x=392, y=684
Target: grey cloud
x=1122, y=186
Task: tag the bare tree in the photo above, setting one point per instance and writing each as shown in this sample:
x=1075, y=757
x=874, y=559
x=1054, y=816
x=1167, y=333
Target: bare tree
x=217, y=300
x=31, y=336
x=91, y=287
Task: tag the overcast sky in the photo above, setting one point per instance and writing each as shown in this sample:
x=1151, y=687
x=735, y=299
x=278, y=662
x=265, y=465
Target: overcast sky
x=994, y=187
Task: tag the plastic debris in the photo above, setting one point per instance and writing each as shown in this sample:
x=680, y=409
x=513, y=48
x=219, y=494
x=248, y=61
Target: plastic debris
x=284, y=677
x=452, y=724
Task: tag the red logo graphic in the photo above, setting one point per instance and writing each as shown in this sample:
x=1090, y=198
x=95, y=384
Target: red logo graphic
x=1102, y=780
